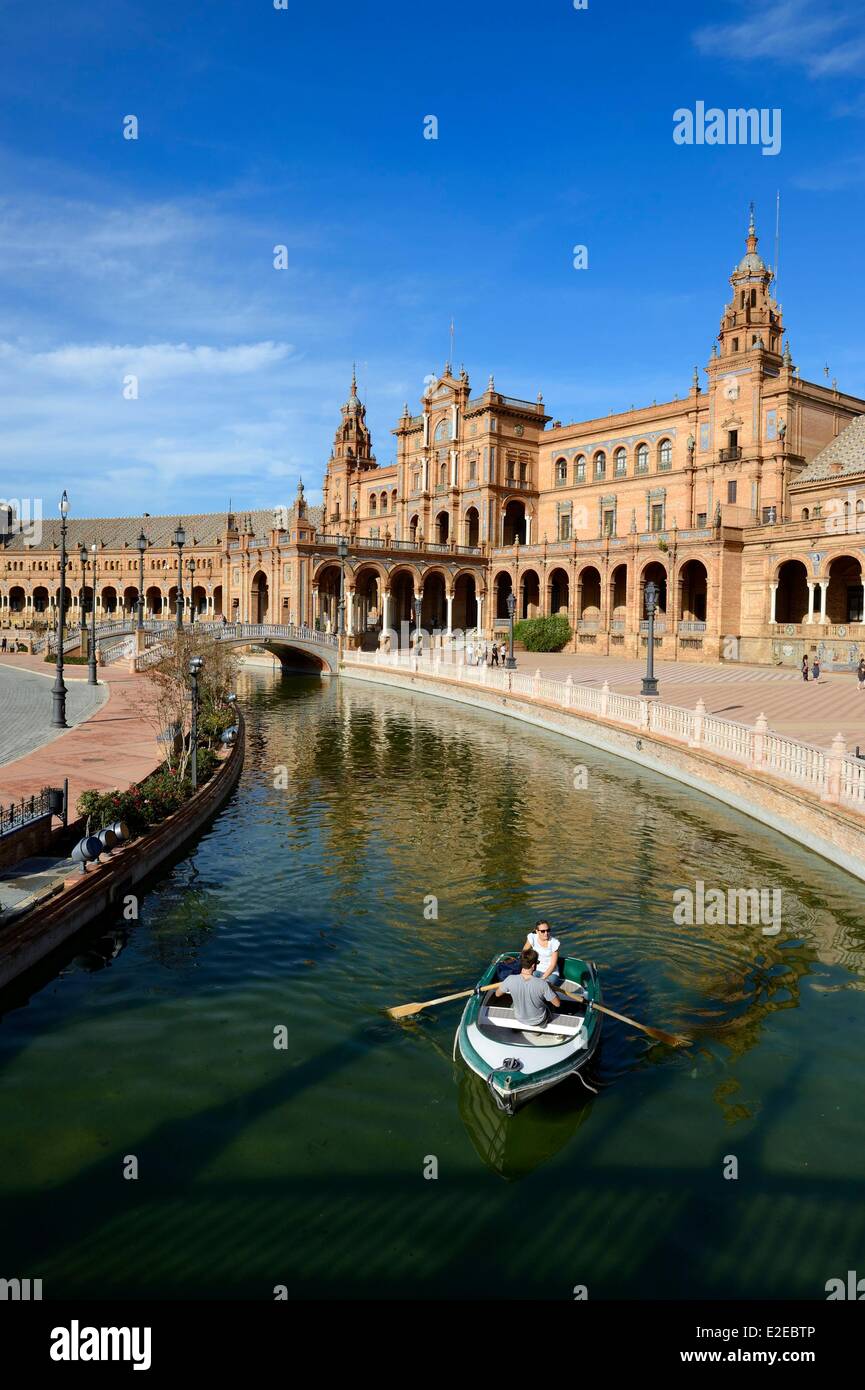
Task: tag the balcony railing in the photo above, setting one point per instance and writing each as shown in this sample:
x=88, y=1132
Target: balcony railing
x=729, y=455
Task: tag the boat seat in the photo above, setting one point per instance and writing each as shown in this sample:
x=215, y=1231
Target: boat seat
x=567, y=1024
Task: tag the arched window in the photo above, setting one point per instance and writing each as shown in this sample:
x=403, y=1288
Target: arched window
x=372, y=504
x=665, y=454
x=621, y=459
x=580, y=469
x=600, y=464
x=643, y=458
x=384, y=502
x=806, y=515
x=443, y=430
x=561, y=471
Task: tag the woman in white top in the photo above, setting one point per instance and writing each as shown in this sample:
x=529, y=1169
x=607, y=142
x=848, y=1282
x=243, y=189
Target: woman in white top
x=547, y=947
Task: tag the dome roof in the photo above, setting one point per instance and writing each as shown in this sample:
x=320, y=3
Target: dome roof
x=751, y=263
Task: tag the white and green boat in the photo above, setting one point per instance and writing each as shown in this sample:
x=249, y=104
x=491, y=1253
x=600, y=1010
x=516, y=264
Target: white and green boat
x=519, y=1062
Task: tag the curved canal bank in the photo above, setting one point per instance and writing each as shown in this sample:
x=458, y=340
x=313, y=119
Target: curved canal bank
x=83, y=898
x=814, y=796
x=307, y=905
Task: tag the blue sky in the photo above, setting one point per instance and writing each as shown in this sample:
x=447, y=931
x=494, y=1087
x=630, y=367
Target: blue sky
x=304, y=127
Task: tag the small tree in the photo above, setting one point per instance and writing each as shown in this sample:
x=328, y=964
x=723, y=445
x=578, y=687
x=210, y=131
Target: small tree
x=169, y=702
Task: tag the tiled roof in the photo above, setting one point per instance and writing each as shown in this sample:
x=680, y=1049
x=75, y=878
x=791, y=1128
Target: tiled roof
x=204, y=529
x=843, y=458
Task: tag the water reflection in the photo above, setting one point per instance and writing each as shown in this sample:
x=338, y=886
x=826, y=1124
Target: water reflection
x=305, y=908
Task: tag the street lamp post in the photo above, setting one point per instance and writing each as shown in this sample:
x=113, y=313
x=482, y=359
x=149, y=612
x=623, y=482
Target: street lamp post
x=58, y=693
x=195, y=666
x=418, y=604
x=92, y=678
x=650, y=684
x=142, y=546
x=191, y=567
x=180, y=542
x=510, y=660
x=82, y=616
x=342, y=552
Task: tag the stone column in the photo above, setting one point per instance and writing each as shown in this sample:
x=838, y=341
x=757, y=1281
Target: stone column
x=824, y=592
x=811, y=589
x=349, y=613
x=385, y=610
x=450, y=602
x=773, y=603
x=480, y=602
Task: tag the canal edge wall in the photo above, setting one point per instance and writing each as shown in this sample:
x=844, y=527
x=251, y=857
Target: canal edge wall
x=830, y=831
x=86, y=896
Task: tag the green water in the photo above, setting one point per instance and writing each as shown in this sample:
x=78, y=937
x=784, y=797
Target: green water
x=304, y=1167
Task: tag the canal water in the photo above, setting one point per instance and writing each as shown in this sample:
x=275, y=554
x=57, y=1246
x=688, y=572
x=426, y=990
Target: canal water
x=381, y=848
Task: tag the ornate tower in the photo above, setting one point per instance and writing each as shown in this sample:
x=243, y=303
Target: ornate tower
x=351, y=458
x=752, y=321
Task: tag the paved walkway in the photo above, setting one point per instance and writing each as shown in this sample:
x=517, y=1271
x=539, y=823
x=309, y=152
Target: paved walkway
x=115, y=747
x=814, y=713
x=26, y=704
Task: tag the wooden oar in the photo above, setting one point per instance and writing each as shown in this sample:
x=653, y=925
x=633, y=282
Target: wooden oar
x=671, y=1039
x=405, y=1010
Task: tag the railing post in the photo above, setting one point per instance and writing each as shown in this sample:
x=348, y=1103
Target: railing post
x=832, y=790
x=758, y=743
x=605, y=699
x=645, y=713
x=536, y=684
x=569, y=691
x=696, y=739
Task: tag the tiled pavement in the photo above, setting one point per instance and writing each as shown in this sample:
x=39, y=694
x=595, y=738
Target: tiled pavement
x=814, y=713
x=25, y=708
x=115, y=747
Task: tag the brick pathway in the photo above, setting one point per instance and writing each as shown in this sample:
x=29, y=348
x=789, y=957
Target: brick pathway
x=814, y=713
x=115, y=747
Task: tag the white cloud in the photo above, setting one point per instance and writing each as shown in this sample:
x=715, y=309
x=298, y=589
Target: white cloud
x=823, y=39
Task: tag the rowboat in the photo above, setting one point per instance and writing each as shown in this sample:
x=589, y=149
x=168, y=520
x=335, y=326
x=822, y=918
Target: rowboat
x=517, y=1061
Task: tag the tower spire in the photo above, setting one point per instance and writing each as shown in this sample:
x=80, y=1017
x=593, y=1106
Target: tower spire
x=752, y=232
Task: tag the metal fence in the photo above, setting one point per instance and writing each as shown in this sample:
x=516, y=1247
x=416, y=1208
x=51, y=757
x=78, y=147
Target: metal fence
x=20, y=813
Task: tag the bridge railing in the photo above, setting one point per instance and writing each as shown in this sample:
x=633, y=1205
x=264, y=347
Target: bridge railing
x=244, y=632
x=830, y=775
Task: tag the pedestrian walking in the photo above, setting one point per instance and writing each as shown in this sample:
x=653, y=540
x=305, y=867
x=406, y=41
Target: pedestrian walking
x=3, y=647
x=860, y=673
x=804, y=668
x=815, y=669
x=495, y=654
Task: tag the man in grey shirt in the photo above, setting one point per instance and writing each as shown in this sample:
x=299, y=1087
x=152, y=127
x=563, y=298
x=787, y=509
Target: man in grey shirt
x=529, y=993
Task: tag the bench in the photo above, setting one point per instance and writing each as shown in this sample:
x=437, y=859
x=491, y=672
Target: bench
x=568, y=1024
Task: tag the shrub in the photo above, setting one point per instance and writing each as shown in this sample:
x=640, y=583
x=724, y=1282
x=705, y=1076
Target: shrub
x=213, y=722
x=544, y=634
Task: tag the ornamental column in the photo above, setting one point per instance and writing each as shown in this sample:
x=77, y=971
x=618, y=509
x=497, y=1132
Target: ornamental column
x=479, y=599
x=450, y=602
x=811, y=590
x=824, y=591
x=773, y=603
